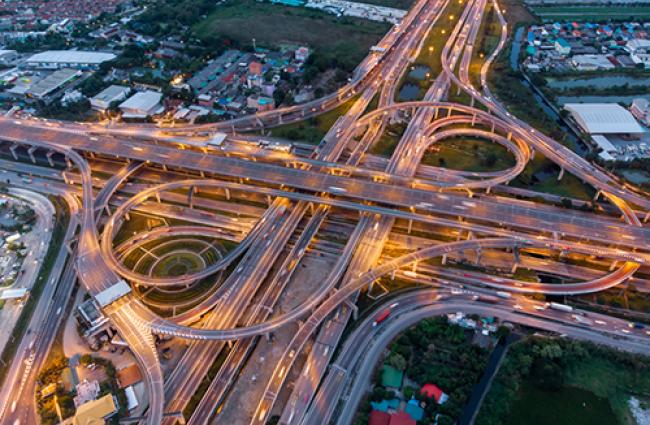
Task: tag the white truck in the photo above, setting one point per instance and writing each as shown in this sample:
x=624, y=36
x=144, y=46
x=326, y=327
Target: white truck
x=561, y=307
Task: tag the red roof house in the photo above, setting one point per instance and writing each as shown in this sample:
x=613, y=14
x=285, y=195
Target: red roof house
x=432, y=391
x=401, y=418
x=377, y=417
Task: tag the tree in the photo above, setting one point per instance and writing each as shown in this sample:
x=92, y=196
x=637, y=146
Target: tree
x=397, y=361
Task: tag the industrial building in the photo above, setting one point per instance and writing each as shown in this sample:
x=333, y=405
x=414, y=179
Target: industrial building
x=52, y=82
x=56, y=59
x=604, y=118
x=103, y=100
x=142, y=105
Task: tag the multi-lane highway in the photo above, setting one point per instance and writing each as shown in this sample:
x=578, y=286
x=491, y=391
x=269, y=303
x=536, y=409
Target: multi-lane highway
x=304, y=192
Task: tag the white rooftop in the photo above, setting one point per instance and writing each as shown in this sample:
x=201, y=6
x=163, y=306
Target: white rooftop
x=604, y=118
x=115, y=292
x=9, y=294
x=71, y=56
x=111, y=92
x=142, y=101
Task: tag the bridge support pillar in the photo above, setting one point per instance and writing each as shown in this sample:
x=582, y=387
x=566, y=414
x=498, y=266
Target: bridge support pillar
x=158, y=197
x=280, y=119
x=68, y=163
x=48, y=155
x=559, y=177
x=555, y=236
x=107, y=209
x=613, y=265
x=353, y=307
x=202, y=174
x=444, y=259
x=392, y=275
x=435, y=114
x=448, y=112
x=647, y=216
x=410, y=226
x=127, y=217
x=64, y=177
x=30, y=152
x=532, y=153
x=493, y=127
x=227, y=192
x=269, y=201
x=513, y=270
x=597, y=195
x=509, y=135
x=470, y=235
x=479, y=254
x=473, y=120
x=471, y=102
x=164, y=167
x=488, y=190
x=12, y=149
x=190, y=197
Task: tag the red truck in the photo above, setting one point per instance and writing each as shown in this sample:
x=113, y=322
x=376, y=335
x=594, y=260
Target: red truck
x=381, y=317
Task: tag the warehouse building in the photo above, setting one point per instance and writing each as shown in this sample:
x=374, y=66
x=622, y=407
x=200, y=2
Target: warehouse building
x=142, y=105
x=103, y=100
x=56, y=59
x=604, y=118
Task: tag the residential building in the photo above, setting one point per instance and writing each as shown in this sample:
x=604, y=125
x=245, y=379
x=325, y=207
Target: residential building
x=96, y=412
x=639, y=50
x=640, y=109
x=562, y=47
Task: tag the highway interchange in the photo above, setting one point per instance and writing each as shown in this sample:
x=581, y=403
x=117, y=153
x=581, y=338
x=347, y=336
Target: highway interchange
x=305, y=194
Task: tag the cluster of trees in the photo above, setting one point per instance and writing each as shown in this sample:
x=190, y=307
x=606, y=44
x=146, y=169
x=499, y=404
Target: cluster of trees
x=435, y=352
x=51, y=374
x=50, y=41
x=167, y=16
x=74, y=111
x=544, y=362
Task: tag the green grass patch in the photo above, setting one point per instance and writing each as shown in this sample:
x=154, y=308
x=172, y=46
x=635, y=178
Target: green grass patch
x=435, y=41
x=566, y=406
x=547, y=380
x=314, y=129
x=469, y=154
x=388, y=141
x=346, y=39
x=593, y=12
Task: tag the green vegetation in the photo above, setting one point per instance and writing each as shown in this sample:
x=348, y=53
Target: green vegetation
x=541, y=175
x=60, y=225
x=340, y=42
x=561, y=374
x=487, y=40
x=430, y=56
x=565, y=406
x=433, y=352
x=469, y=154
x=398, y=4
x=387, y=142
x=605, y=12
x=314, y=129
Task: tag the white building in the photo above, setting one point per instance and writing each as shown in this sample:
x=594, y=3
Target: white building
x=8, y=56
x=639, y=50
x=604, y=118
x=55, y=59
x=102, y=101
x=591, y=62
x=142, y=105
x=640, y=108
